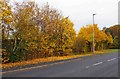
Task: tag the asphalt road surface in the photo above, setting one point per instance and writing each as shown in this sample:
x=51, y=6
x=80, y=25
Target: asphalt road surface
x=105, y=65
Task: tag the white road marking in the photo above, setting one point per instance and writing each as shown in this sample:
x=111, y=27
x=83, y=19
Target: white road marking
x=112, y=59
x=97, y=63
x=52, y=65
x=87, y=67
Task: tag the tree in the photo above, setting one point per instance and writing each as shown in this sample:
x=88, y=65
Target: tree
x=25, y=34
x=114, y=31
x=6, y=19
x=39, y=32
x=58, y=31
x=67, y=36
x=5, y=29
x=85, y=38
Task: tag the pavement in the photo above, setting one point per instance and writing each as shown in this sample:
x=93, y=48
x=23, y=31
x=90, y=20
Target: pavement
x=104, y=65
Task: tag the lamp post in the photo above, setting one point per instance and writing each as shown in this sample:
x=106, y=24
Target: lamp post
x=93, y=33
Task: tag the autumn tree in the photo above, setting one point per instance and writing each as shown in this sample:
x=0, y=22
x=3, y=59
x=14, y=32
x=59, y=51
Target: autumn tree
x=114, y=31
x=66, y=33
x=39, y=32
x=85, y=38
x=5, y=29
x=25, y=31
x=58, y=32
x=6, y=19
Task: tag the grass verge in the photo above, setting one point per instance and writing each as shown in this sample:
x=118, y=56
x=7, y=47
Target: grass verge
x=51, y=59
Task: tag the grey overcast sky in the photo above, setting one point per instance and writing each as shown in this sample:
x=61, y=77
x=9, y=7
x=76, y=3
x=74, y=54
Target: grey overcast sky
x=80, y=11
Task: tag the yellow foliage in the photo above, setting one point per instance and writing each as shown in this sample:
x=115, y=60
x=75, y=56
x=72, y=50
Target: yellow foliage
x=85, y=37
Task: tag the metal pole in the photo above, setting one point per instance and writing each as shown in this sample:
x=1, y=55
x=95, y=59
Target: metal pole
x=93, y=33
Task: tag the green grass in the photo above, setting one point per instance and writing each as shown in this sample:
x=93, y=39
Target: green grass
x=107, y=51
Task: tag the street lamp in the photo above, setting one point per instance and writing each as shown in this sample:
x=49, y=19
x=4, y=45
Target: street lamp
x=93, y=33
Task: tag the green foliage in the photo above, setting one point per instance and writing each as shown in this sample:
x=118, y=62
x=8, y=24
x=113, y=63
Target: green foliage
x=115, y=33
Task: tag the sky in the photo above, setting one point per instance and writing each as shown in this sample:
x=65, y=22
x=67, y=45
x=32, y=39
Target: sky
x=81, y=12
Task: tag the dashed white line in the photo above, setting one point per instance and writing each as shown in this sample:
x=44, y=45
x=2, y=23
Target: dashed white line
x=87, y=67
x=97, y=63
x=112, y=59
x=52, y=65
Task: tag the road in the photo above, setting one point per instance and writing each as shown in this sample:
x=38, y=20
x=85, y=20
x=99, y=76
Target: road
x=105, y=65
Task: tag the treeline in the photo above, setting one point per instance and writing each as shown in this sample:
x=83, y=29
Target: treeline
x=30, y=31
x=84, y=40
x=115, y=32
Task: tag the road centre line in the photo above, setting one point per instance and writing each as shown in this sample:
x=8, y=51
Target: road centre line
x=52, y=65
x=87, y=67
x=111, y=59
x=97, y=63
